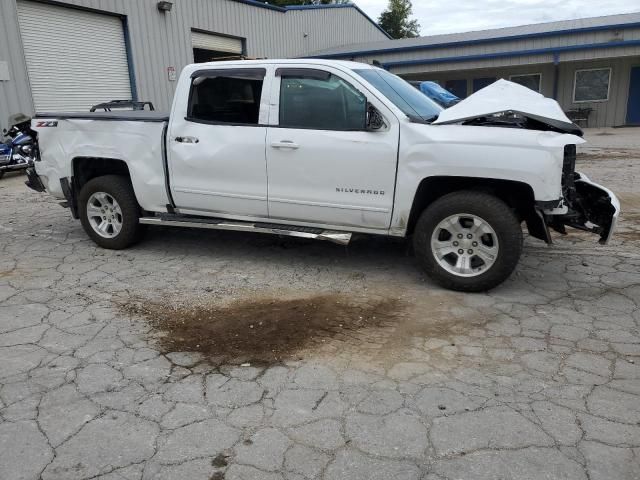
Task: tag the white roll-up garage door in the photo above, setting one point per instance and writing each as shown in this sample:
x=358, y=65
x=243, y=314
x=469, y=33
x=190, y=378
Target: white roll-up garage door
x=218, y=43
x=75, y=58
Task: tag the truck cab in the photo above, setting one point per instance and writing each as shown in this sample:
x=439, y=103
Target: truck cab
x=324, y=149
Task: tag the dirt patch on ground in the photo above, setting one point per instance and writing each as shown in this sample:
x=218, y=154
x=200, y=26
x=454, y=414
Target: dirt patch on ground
x=630, y=203
x=7, y=273
x=607, y=154
x=265, y=330
x=628, y=235
x=365, y=329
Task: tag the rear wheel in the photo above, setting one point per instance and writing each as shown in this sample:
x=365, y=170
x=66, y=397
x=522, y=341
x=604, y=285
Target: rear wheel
x=468, y=241
x=109, y=212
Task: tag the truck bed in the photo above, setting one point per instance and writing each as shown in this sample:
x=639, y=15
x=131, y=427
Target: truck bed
x=127, y=115
x=133, y=137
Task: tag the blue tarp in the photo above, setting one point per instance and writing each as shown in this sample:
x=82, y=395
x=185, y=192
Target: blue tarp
x=438, y=94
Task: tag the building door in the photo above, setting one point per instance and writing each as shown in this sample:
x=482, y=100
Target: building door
x=75, y=59
x=479, y=83
x=633, y=103
x=457, y=87
x=208, y=47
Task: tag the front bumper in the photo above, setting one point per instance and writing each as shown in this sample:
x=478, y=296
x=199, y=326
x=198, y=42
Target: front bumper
x=591, y=207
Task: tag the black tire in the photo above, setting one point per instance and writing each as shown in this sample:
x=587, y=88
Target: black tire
x=490, y=209
x=2, y=173
x=121, y=190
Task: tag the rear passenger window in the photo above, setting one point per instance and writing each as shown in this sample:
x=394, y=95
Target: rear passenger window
x=319, y=100
x=229, y=96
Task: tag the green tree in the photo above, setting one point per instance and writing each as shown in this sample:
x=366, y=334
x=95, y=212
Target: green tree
x=395, y=20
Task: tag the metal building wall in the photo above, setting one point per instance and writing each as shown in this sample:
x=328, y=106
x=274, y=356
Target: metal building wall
x=620, y=59
x=15, y=94
x=433, y=53
x=605, y=113
x=159, y=40
x=608, y=113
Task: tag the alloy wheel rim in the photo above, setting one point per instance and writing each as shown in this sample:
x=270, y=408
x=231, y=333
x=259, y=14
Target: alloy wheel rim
x=104, y=214
x=465, y=245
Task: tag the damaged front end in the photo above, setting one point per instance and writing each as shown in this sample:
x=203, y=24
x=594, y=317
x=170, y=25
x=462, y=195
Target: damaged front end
x=586, y=205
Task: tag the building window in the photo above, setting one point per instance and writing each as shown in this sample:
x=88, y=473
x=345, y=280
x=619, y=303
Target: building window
x=480, y=83
x=457, y=87
x=591, y=85
x=320, y=100
x=226, y=96
x=529, y=80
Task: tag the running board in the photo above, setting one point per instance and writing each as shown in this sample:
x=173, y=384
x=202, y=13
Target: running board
x=341, y=238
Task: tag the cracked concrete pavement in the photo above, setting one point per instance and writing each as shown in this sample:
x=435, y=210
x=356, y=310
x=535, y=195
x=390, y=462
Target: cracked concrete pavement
x=538, y=379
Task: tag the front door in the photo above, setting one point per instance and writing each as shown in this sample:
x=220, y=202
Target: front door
x=633, y=104
x=323, y=166
x=216, y=151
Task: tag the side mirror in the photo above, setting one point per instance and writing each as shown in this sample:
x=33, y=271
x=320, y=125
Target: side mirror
x=375, y=120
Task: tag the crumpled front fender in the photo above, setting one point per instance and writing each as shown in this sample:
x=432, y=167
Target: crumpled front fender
x=592, y=208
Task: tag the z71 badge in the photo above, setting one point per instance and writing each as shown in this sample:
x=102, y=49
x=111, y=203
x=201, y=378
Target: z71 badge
x=48, y=123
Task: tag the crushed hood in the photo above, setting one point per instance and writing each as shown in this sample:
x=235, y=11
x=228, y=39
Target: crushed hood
x=503, y=96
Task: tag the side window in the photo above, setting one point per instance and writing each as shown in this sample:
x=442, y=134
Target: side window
x=230, y=96
x=319, y=100
x=529, y=80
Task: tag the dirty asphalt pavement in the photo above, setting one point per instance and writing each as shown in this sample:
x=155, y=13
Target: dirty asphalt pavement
x=217, y=355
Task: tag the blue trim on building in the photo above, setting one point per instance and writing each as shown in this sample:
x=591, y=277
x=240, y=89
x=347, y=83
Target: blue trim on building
x=255, y=3
x=129, y=53
x=481, y=41
x=514, y=53
x=320, y=6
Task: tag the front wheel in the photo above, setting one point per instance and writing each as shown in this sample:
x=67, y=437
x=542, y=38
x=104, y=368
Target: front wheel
x=109, y=212
x=468, y=241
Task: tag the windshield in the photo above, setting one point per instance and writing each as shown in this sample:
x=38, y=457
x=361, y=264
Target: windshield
x=410, y=100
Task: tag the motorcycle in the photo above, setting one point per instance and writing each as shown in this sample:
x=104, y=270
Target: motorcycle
x=19, y=150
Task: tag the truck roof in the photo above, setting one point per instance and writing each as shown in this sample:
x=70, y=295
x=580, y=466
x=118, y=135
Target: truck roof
x=344, y=64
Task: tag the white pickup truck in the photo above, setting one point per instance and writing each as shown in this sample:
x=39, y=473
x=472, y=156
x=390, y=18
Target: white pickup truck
x=323, y=149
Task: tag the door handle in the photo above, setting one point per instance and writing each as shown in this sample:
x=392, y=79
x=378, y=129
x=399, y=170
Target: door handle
x=186, y=139
x=285, y=144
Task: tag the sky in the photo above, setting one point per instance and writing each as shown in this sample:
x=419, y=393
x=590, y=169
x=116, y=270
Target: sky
x=468, y=15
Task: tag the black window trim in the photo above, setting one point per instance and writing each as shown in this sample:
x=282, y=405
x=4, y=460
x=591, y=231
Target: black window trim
x=203, y=72
x=260, y=73
x=302, y=72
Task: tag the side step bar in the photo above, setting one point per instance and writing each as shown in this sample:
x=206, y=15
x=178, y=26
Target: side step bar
x=341, y=238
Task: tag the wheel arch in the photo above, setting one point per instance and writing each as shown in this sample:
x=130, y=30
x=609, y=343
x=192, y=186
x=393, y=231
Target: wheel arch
x=84, y=169
x=517, y=195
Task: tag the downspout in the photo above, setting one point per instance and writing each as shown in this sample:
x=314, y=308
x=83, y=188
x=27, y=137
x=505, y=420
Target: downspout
x=556, y=74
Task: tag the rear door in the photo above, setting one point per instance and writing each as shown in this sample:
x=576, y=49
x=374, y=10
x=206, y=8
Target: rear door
x=217, y=150
x=323, y=166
